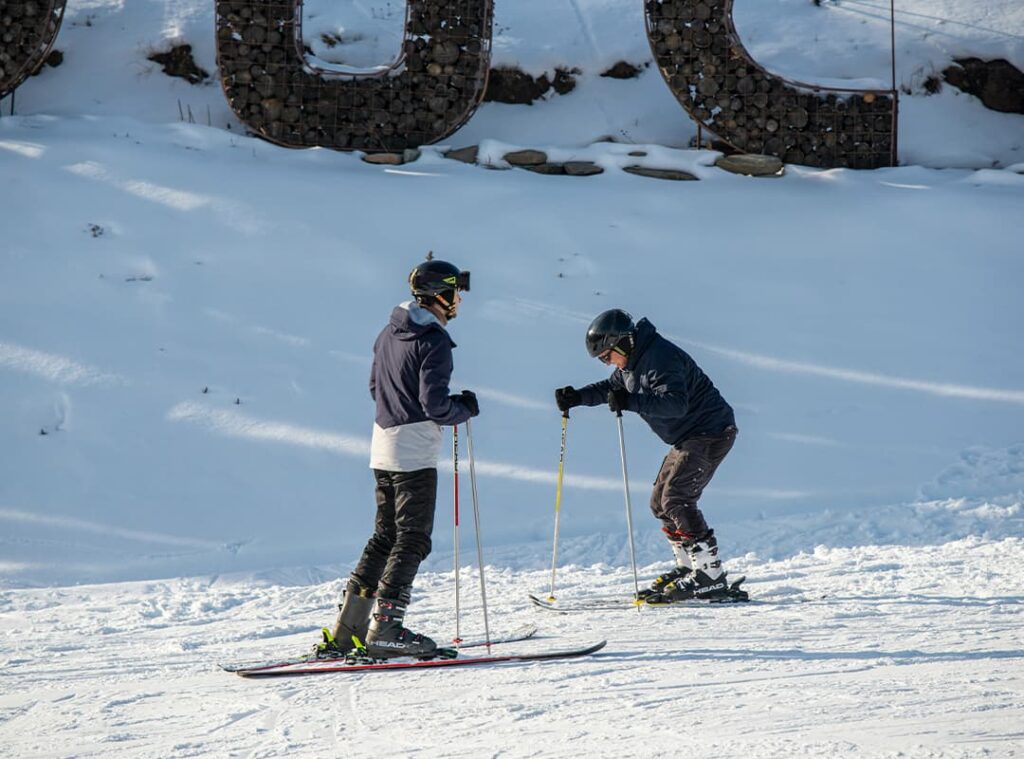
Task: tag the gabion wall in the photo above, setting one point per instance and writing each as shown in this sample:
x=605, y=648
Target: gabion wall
x=718, y=83
x=433, y=89
x=27, y=31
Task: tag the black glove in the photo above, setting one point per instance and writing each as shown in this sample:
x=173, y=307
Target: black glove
x=618, y=399
x=567, y=397
x=468, y=398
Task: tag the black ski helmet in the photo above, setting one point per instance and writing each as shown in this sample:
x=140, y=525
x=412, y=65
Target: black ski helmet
x=612, y=329
x=436, y=281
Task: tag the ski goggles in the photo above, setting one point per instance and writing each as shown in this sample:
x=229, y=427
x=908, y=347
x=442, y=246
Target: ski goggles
x=459, y=282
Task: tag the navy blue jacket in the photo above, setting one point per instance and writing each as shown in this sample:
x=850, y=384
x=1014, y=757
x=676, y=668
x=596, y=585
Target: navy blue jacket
x=667, y=388
x=412, y=365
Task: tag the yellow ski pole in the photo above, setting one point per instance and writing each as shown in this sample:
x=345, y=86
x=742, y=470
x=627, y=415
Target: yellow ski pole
x=558, y=504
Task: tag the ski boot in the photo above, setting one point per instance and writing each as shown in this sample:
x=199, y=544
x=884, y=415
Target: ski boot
x=663, y=580
x=701, y=587
x=682, y=569
x=351, y=627
x=707, y=581
x=388, y=638
x=698, y=585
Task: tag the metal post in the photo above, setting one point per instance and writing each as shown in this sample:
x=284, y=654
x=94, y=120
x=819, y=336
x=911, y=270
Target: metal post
x=895, y=157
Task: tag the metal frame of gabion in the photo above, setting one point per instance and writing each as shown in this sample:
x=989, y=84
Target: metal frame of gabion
x=24, y=47
x=726, y=91
x=431, y=90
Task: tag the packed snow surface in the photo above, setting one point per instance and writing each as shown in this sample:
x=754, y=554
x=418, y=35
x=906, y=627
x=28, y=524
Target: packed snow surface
x=186, y=322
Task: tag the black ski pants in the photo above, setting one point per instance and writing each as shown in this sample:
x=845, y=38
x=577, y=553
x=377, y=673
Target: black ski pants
x=685, y=472
x=401, y=535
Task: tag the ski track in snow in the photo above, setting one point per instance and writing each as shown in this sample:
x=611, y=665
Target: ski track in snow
x=867, y=652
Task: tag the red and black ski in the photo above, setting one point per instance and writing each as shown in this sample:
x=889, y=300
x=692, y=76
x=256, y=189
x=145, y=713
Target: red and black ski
x=524, y=632
x=324, y=666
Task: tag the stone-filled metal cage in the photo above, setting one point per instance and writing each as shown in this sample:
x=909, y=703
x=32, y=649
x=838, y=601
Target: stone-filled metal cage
x=431, y=90
x=725, y=90
x=28, y=29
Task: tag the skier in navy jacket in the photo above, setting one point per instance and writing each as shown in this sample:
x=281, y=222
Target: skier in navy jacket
x=412, y=365
x=662, y=383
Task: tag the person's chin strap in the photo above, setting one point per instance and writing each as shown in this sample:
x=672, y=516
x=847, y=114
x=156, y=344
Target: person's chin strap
x=449, y=307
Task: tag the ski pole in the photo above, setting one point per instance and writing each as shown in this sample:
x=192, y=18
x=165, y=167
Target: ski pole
x=558, y=504
x=476, y=522
x=455, y=466
x=629, y=507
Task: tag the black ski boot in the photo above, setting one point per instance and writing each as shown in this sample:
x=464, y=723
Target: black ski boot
x=698, y=585
x=707, y=581
x=387, y=636
x=351, y=627
x=664, y=580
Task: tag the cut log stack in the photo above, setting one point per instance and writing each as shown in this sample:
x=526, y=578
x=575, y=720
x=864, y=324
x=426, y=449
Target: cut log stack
x=28, y=29
x=726, y=91
x=432, y=91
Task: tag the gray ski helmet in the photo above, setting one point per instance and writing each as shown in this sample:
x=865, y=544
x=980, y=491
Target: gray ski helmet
x=611, y=329
x=436, y=282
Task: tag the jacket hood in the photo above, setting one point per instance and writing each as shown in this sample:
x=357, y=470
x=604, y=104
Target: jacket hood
x=645, y=333
x=409, y=320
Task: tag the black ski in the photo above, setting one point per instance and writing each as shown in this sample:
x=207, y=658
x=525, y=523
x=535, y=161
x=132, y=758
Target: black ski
x=324, y=666
x=606, y=603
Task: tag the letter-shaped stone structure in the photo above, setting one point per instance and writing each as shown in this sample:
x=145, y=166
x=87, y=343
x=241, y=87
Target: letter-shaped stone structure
x=727, y=92
x=28, y=29
x=430, y=91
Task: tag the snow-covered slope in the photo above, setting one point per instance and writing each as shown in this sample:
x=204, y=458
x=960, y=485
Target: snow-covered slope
x=186, y=316
x=192, y=333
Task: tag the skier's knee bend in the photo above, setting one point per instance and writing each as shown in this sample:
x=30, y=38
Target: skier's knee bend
x=379, y=547
x=413, y=544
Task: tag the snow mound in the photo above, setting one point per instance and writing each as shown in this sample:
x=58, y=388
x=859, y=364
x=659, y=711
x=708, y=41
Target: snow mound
x=981, y=472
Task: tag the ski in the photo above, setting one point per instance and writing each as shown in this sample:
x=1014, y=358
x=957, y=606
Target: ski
x=523, y=632
x=612, y=603
x=323, y=666
x=618, y=603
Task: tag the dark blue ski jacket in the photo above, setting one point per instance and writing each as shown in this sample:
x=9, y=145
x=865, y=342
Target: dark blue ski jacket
x=412, y=366
x=667, y=388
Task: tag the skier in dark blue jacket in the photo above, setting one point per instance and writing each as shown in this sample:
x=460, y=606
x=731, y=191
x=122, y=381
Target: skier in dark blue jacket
x=412, y=365
x=662, y=383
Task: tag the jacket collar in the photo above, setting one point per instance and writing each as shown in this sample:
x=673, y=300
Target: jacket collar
x=645, y=333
